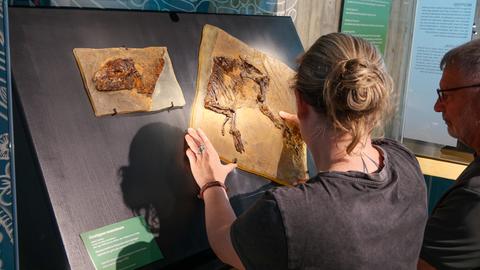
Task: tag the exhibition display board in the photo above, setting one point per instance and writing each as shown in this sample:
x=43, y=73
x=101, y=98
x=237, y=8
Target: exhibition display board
x=98, y=171
x=438, y=28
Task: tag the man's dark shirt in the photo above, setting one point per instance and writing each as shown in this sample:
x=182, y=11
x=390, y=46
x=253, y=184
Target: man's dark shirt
x=452, y=235
x=339, y=220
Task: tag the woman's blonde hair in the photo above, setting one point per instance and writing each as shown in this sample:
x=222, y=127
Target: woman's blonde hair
x=344, y=77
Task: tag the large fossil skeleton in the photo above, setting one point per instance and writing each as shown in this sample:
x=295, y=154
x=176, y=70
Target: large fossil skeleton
x=230, y=88
x=240, y=91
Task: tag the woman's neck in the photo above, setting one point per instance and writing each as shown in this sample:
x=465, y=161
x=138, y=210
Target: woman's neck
x=330, y=153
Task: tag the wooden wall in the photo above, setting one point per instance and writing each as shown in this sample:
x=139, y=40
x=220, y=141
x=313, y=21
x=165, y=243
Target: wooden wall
x=316, y=18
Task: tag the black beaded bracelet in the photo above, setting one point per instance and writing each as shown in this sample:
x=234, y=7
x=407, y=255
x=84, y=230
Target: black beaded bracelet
x=209, y=185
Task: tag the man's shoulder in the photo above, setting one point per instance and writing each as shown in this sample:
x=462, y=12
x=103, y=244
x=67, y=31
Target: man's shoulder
x=469, y=180
x=471, y=185
x=456, y=216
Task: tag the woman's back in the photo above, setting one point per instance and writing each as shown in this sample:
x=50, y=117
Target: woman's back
x=340, y=220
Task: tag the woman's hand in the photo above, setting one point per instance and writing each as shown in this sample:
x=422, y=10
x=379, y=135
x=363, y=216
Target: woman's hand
x=293, y=120
x=204, y=161
x=289, y=117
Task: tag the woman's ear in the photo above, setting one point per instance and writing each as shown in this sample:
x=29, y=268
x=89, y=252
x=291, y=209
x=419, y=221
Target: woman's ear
x=302, y=106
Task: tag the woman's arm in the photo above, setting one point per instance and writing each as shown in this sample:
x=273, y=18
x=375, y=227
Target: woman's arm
x=219, y=216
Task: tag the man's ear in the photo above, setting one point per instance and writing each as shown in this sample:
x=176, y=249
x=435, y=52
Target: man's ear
x=302, y=106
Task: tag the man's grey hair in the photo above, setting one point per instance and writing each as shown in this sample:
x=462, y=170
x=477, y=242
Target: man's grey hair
x=465, y=57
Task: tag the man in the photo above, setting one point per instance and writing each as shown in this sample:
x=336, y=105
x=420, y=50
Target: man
x=452, y=234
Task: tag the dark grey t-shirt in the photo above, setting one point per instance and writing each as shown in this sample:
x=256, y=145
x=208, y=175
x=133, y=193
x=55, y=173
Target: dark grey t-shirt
x=452, y=235
x=339, y=220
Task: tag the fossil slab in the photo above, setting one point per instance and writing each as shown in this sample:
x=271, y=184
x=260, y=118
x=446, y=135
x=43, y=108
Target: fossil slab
x=240, y=91
x=124, y=80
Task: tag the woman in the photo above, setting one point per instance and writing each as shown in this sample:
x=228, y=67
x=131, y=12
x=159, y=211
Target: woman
x=366, y=207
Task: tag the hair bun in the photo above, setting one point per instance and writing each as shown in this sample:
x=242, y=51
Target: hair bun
x=355, y=86
x=344, y=78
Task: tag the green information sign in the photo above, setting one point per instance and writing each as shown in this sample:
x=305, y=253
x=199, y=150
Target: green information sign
x=367, y=19
x=121, y=246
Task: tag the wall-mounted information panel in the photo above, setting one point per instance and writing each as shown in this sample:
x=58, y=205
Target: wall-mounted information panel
x=367, y=19
x=439, y=27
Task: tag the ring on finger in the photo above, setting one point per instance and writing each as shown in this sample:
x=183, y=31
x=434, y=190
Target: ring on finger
x=201, y=149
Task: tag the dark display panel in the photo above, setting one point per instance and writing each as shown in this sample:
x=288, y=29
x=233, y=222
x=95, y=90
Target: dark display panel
x=100, y=170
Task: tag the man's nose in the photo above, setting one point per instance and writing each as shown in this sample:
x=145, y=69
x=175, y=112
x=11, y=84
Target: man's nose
x=438, y=107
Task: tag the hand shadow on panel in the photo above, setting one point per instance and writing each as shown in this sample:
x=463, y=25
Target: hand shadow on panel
x=158, y=185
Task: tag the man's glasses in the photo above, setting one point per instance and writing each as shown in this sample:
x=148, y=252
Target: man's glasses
x=441, y=92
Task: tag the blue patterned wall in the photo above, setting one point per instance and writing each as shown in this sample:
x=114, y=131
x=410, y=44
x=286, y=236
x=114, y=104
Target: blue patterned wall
x=250, y=7
x=7, y=205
